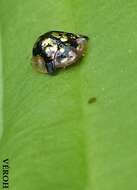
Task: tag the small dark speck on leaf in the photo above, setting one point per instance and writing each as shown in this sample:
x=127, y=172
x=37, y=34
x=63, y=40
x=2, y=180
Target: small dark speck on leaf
x=92, y=100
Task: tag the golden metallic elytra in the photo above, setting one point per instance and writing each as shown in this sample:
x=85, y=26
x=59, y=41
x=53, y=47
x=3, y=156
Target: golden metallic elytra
x=56, y=49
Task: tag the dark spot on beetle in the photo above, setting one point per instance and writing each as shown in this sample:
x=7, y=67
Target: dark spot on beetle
x=92, y=100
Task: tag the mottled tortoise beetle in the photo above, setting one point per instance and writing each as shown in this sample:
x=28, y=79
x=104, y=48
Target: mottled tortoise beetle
x=56, y=49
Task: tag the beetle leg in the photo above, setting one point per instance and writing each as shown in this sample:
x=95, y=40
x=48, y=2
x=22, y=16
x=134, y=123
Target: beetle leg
x=50, y=67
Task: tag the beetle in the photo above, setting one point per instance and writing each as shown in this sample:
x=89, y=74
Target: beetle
x=57, y=49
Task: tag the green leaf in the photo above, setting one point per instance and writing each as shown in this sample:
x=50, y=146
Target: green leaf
x=53, y=137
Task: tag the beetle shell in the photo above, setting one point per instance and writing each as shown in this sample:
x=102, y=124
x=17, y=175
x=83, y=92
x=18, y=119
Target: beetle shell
x=56, y=49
